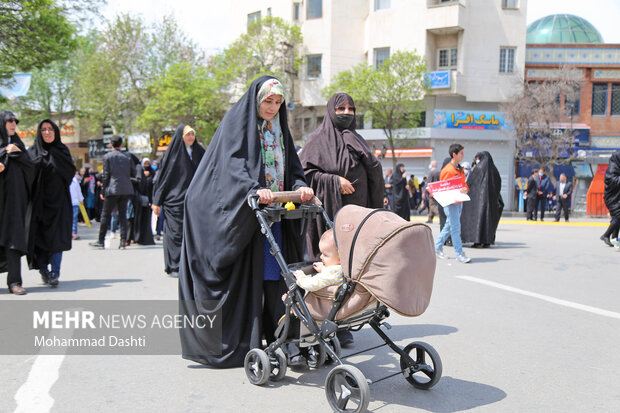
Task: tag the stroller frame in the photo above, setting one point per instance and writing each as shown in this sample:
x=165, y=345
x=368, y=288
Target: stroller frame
x=345, y=383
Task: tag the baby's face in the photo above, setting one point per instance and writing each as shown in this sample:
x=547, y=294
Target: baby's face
x=329, y=254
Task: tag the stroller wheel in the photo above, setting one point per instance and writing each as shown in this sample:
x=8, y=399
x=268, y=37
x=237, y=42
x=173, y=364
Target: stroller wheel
x=424, y=370
x=278, y=366
x=257, y=366
x=315, y=356
x=335, y=345
x=347, y=389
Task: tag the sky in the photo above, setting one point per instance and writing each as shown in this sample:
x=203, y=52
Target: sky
x=208, y=21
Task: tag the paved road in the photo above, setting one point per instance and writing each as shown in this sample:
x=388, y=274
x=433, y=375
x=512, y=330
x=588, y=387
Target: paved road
x=531, y=325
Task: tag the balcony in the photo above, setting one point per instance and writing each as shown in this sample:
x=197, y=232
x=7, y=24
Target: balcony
x=445, y=17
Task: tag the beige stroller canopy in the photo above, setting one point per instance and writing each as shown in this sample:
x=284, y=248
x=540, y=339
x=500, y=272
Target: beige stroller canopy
x=392, y=260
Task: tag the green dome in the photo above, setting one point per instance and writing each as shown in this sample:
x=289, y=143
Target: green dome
x=562, y=28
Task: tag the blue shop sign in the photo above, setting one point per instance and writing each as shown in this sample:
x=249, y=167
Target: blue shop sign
x=452, y=119
x=439, y=79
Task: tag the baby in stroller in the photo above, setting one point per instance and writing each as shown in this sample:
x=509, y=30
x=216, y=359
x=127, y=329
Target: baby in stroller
x=328, y=270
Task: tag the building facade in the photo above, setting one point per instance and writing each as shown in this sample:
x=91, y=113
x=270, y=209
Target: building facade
x=565, y=40
x=475, y=52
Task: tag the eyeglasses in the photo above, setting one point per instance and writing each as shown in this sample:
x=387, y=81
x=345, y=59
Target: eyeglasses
x=12, y=120
x=47, y=130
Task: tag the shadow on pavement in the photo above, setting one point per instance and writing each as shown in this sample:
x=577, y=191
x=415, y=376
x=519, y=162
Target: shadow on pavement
x=84, y=284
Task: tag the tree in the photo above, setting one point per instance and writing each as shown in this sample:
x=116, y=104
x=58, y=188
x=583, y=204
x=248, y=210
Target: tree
x=270, y=47
x=535, y=113
x=32, y=35
x=114, y=76
x=393, y=94
x=185, y=93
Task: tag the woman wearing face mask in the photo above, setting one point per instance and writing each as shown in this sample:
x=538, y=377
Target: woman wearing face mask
x=227, y=271
x=52, y=211
x=339, y=166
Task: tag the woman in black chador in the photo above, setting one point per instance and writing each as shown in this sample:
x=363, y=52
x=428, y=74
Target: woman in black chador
x=16, y=174
x=52, y=212
x=612, y=197
x=481, y=215
x=340, y=166
x=400, y=194
x=173, y=178
x=142, y=231
x=226, y=270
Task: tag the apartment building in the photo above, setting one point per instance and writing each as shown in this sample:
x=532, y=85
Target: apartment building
x=475, y=51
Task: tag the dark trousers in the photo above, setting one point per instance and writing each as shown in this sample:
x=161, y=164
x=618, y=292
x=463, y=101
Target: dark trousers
x=273, y=307
x=542, y=203
x=13, y=264
x=532, y=206
x=111, y=201
x=562, y=205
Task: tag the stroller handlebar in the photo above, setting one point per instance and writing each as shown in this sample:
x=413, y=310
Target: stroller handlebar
x=282, y=197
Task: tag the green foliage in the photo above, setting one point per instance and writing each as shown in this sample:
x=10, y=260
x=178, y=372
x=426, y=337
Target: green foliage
x=393, y=95
x=32, y=35
x=185, y=93
x=270, y=47
x=114, y=77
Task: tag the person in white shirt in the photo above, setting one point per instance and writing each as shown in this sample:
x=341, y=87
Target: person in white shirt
x=76, y=198
x=329, y=270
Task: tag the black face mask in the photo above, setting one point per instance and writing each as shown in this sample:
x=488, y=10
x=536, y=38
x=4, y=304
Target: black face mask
x=343, y=121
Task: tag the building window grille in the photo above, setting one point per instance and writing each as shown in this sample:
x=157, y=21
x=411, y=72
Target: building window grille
x=510, y=4
x=506, y=59
x=314, y=65
x=381, y=55
x=615, y=99
x=382, y=4
x=446, y=58
x=253, y=18
x=599, y=99
x=315, y=9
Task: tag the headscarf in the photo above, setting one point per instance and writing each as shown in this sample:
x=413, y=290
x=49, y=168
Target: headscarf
x=55, y=153
x=270, y=132
x=5, y=115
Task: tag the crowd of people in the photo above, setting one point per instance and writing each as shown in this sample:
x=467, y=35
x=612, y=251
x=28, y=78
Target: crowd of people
x=212, y=241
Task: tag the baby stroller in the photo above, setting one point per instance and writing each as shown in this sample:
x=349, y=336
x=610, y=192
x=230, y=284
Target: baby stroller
x=388, y=264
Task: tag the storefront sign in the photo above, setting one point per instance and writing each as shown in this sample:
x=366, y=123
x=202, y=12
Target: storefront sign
x=439, y=79
x=469, y=120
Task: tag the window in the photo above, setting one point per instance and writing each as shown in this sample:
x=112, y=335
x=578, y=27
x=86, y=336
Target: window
x=381, y=55
x=571, y=107
x=296, y=10
x=510, y=4
x=599, y=99
x=446, y=58
x=507, y=59
x=382, y=4
x=319, y=119
x=315, y=9
x=268, y=11
x=314, y=65
x=253, y=18
x=615, y=99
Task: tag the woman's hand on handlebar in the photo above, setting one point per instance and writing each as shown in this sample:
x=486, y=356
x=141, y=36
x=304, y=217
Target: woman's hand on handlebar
x=265, y=196
x=306, y=193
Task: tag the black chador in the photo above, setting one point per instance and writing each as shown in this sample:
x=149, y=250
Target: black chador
x=52, y=211
x=481, y=215
x=222, y=260
x=173, y=178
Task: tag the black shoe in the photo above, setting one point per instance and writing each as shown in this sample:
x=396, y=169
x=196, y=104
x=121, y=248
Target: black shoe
x=606, y=240
x=53, y=279
x=345, y=337
x=97, y=244
x=122, y=245
x=297, y=360
x=44, y=277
